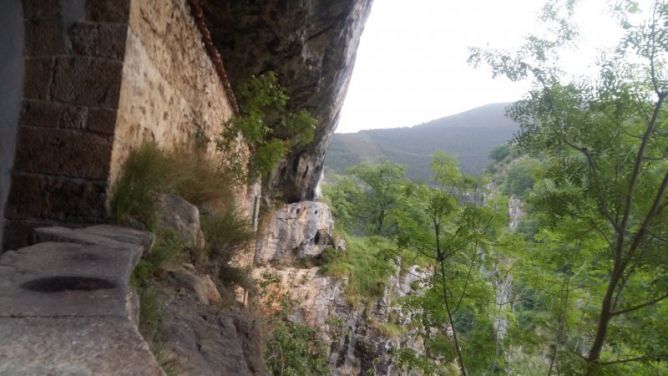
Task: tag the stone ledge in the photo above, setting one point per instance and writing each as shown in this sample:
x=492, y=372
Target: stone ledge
x=73, y=346
x=66, y=279
x=66, y=307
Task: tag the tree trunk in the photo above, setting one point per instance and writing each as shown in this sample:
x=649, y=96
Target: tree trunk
x=594, y=356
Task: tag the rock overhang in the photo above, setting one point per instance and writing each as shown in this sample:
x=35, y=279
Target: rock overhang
x=311, y=45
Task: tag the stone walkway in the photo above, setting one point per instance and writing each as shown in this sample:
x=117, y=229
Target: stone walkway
x=66, y=307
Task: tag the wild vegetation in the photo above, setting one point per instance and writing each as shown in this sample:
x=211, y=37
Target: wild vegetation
x=267, y=126
x=270, y=131
x=580, y=286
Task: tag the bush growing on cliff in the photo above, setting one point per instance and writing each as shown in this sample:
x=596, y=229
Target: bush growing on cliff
x=295, y=349
x=149, y=171
x=366, y=262
x=266, y=124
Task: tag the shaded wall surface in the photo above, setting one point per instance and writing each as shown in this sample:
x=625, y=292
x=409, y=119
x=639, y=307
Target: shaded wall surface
x=11, y=79
x=73, y=55
x=101, y=77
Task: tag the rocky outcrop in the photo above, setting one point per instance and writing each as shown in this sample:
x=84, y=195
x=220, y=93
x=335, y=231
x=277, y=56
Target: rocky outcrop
x=361, y=338
x=203, y=339
x=178, y=215
x=311, y=45
x=66, y=307
x=296, y=231
x=200, y=284
x=515, y=212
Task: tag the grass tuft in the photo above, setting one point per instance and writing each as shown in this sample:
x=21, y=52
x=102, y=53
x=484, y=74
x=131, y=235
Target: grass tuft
x=183, y=172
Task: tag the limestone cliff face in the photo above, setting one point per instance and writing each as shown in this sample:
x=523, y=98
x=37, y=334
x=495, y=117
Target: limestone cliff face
x=311, y=45
x=361, y=337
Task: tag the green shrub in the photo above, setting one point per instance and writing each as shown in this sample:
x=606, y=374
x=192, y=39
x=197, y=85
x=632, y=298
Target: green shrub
x=168, y=248
x=294, y=349
x=268, y=127
x=145, y=170
x=151, y=328
x=366, y=262
x=149, y=171
x=226, y=233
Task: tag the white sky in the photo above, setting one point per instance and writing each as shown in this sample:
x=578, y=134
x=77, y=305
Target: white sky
x=411, y=63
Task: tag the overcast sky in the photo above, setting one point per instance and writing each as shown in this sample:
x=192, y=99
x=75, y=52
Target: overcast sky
x=411, y=63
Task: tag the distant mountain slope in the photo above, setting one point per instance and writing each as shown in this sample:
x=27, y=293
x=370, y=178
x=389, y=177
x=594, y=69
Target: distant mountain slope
x=470, y=135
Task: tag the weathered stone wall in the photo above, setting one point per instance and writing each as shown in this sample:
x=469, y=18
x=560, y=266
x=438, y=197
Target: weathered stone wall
x=171, y=92
x=73, y=56
x=102, y=77
x=11, y=76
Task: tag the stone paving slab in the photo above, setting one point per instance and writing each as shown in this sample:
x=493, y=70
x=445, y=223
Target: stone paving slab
x=73, y=347
x=65, y=305
x=65, y=279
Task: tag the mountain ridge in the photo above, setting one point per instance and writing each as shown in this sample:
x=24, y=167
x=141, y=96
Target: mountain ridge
x=470, y=135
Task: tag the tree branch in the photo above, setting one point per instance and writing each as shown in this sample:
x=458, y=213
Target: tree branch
x=635, y=359
x=639, y=306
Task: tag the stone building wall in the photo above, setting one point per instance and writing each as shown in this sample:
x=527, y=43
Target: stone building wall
x=170, y=91
x=11, y=76
x=73, y=55
x=101, y=77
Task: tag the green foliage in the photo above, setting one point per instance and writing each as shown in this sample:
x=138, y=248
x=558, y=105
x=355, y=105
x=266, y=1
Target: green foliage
x=594, y=273
x=500, y=153
x=295, y=349
x=268, y=127
x=364, y=204
x=169, y=248
x=368, y=264
x=151, y=328
x=342, y=198
x=447, y=224
x=521, y=177
x=225, y=233
x=149, y=171
x=131, y=197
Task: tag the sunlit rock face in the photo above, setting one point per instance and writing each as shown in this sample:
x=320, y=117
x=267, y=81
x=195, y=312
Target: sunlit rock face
x=301, y=230
x=311, y=45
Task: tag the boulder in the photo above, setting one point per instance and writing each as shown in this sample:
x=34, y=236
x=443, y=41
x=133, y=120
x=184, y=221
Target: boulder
x=296, y=231
x=201, y=284
x=176, y=214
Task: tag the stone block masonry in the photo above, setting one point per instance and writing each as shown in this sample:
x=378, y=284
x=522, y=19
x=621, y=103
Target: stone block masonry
x=73, y=59
x=101, y=78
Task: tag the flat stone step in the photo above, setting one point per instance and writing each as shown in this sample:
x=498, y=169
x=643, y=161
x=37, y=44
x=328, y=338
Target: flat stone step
x=65, y=304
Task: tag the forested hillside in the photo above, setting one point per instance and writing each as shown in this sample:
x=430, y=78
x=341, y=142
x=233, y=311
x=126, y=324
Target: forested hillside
x=555, y=261
x=470, y=136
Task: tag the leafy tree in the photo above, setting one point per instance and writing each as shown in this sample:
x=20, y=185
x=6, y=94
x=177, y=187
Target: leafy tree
x=445, y=223
x=382, y=184
x=603, y=196
x=521, y=176
x=500, y=153
x=342, y=198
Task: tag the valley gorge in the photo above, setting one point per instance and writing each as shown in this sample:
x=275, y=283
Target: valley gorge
x=97, y=79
